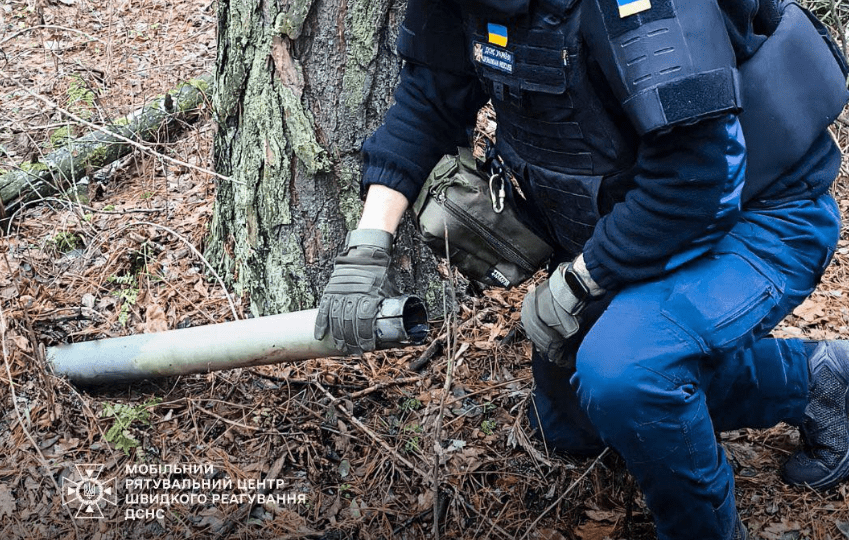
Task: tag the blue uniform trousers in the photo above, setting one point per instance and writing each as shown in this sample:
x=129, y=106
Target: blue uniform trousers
x=674, y=360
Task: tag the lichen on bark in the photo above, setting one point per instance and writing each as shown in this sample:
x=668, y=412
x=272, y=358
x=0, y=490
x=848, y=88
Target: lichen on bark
x=291, y=21
x=302, y=134
x=363, y=24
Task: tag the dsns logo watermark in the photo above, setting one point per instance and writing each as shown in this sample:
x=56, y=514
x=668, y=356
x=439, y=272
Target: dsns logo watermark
x=86, y=490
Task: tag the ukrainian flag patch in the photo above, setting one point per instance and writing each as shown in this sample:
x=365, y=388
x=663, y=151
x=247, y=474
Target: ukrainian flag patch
x=632, y=7
x=498, y=34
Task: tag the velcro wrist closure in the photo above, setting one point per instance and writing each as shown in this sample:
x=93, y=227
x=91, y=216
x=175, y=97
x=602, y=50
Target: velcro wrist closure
x=565, y=298
x=370, y=237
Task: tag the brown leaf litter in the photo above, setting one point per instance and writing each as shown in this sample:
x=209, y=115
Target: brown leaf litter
x=340, y=448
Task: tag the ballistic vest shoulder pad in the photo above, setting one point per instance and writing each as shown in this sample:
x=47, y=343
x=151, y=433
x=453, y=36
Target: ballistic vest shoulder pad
x=432, y=35
x=794, y=87
x=669, y=62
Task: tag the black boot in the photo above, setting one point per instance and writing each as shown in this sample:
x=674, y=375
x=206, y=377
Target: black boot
x=823, y=460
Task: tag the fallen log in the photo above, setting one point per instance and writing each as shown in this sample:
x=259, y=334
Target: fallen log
x=79, y=157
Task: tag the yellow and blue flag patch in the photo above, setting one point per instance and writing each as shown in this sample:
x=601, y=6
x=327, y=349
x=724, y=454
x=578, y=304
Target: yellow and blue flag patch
x=632, y=7
x=497, y=34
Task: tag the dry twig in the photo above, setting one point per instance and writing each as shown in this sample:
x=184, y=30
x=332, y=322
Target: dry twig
x=20, y=416
x=566, y=492
x=372, y=435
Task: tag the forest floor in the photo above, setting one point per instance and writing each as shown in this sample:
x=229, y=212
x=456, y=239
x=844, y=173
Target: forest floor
x=349, y=444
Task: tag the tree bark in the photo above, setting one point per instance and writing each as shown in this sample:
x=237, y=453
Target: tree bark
x=299, y=85
x=79, y=157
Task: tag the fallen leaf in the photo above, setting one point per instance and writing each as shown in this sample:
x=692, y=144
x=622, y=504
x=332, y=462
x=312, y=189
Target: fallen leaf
x=456, y=444
x=601, y=515
x=593, y=530
x=809, y=311
x=425, y=500
x=21, y=343
x=549, y=534
x=155, y=320
x=781, y=531
x=7, y=293
x=88, y=300
x=344, y=468
x=7, y=501
x=200, y=288
x=355, y=509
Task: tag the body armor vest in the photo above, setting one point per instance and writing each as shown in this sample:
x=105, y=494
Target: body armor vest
x=575, y=87
x=560, y=130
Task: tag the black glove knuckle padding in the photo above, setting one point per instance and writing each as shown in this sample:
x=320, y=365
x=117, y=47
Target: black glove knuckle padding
x=352, y=298
x=364, y=321
x=321, y=322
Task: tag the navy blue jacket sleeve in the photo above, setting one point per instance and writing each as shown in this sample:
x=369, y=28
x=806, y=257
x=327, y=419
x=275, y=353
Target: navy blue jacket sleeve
x=689, y=181
x=433, y=113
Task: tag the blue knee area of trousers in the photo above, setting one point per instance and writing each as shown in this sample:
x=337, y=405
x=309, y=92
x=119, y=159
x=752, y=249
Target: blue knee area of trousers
x=675, y=359
x=642, y=391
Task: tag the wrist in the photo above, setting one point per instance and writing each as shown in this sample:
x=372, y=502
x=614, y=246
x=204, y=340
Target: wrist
x=579, y=269
x=383, y=209
x=572, y=288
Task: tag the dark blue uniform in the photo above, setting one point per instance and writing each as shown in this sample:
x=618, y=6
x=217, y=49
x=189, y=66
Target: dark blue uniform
x=645, y=136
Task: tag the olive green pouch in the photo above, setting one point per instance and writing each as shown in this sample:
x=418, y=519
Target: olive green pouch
x=486, y=240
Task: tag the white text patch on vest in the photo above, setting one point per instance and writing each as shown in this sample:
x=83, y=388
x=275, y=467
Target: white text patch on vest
x=494, y=57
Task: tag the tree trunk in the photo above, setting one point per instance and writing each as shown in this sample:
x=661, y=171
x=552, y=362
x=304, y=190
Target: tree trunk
x=299, y=86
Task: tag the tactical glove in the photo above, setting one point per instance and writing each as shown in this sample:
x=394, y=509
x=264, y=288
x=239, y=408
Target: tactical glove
x=357, y=286
x=552, y=313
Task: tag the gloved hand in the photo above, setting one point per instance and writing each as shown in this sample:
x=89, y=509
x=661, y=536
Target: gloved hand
x=357, y=286
x=552, y=312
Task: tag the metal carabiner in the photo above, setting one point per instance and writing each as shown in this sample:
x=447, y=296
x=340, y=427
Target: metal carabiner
x=497, y=193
